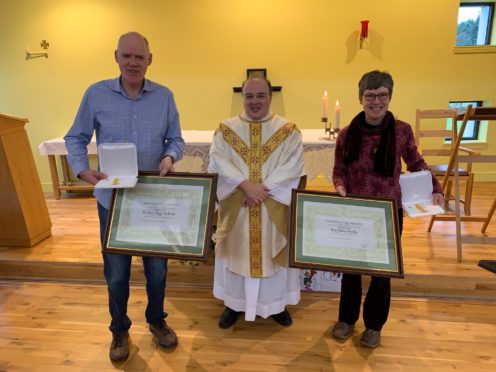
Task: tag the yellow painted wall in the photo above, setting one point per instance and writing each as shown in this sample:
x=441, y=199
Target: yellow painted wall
x=202, y=49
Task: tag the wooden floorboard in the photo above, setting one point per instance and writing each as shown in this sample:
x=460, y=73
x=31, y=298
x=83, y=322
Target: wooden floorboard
x=53, y=326
x=54, y=317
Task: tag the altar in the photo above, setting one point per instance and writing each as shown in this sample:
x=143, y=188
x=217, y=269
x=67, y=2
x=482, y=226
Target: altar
x=318, y=155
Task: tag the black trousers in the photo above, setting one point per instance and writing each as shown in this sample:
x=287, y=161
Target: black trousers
x=377, y=299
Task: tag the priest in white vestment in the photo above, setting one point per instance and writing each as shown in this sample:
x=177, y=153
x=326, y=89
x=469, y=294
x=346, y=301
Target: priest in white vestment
x=259, y=159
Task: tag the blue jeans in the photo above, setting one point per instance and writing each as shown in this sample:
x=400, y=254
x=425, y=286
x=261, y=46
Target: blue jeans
x=117, y=270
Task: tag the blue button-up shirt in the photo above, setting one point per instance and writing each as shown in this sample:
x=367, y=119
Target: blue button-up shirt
x=150, y=121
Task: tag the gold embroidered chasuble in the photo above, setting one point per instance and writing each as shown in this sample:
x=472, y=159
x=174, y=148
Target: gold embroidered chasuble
x=264, y=152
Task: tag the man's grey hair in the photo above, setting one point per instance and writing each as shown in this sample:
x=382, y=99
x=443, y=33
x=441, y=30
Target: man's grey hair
x=136, y=34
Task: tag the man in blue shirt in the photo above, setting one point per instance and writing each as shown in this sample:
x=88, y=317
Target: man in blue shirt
x=135, y=110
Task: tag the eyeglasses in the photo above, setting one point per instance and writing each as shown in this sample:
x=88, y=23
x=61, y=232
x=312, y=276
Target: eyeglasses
x=370, y=97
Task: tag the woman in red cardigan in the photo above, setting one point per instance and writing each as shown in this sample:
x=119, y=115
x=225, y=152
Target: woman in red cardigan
x=368, y=162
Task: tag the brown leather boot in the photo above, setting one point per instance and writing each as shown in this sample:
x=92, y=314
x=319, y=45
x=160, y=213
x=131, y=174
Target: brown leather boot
x=165, y=336
x=119, y=348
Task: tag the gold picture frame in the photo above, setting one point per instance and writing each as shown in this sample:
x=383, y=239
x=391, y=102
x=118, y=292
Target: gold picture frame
x=353, y=234
x=170, y=216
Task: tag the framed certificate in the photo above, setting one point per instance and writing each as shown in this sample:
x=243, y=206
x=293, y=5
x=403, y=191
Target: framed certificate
x=168, y=217
x=353, y=234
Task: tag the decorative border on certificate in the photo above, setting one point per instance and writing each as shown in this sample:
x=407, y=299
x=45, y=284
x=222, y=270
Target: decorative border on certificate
x=168, y=217
x=353, y=234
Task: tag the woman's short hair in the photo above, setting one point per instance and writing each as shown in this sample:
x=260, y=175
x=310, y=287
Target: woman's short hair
x=375, y=79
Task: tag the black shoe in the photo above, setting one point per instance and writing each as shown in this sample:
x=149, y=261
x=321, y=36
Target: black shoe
x=228, y=318
x=283, y=318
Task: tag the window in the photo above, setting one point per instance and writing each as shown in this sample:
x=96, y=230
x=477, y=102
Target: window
x=472, y=128
x=475, y=21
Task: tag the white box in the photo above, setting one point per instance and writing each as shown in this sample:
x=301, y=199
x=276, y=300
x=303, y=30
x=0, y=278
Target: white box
x=119, y=162
x=316, y=280
x=416, y=194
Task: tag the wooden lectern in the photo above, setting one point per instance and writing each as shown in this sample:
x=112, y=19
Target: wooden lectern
x=24, y=219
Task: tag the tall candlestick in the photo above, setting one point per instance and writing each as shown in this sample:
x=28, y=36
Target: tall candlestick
x=337, y=115
x=325, y=105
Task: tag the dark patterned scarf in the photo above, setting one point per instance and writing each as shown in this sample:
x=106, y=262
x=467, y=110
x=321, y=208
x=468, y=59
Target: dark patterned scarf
x=385, y=156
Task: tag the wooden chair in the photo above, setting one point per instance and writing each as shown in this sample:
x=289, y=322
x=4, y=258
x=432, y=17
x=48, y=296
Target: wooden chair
x=439, y=150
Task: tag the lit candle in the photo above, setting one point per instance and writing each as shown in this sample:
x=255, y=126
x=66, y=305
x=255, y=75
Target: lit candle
x=337, y=115
x=325, y=105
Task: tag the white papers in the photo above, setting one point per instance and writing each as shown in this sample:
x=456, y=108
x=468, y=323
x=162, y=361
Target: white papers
x=161, y=214
x=416, y=194
x=345, y=232
x=354, y=233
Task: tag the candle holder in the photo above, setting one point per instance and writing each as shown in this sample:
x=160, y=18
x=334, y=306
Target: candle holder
x=334, y=134
x=328, y=131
